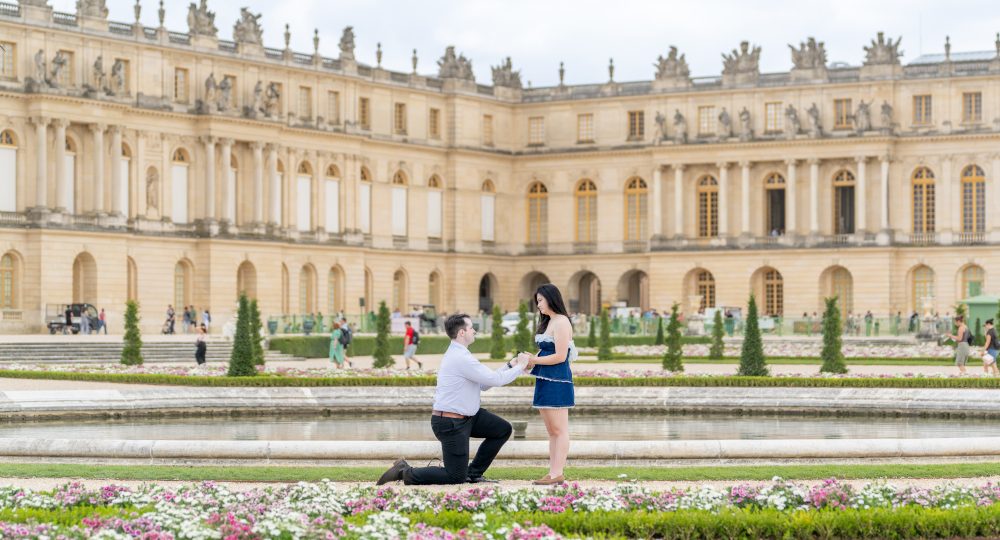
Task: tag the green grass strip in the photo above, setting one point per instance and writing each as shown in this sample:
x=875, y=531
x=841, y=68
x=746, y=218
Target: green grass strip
x=802, y=360
x=366, y=474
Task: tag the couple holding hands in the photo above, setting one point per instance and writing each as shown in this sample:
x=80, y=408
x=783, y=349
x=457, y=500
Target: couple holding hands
x=457, y=415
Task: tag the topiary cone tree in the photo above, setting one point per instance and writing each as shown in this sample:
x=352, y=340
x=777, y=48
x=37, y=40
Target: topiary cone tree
x=659, y=331
x=498, y=349
x=752, y=363
x=718, y=348
x=522, y=337
x=383, y=358
x=241, y=361
x=132, y=348
x=832, y=354
x=592, y=333
x=672, y=358
x=979, y=338
x=604, y=349
x=256, y=334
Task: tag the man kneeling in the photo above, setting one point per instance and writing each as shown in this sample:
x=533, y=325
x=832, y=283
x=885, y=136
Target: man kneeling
x=457, y=416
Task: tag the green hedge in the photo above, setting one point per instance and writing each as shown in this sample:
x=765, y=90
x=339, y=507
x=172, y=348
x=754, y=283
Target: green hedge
x=430, y=380
x=900, y=523
x=319, y=346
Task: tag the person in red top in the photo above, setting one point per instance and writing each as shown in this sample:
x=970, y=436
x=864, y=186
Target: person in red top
x=410, y=342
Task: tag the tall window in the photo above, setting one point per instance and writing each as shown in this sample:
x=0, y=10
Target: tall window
x=973, y=277
x=972, y=107
x=536, y=130
x=332, y=191
x=842, y=285
x=67, y=75
x=399, y=300
x=843, y=202
x=307, y=290
x=364, y=113
x=181, y=85
x=774, y=293
x=922, y=111
x=334, y=296
x=774, y=187
x=841, y=113
x=708, y=207
x=636, y=125
x=8, y=282
x=923, y=285
x=773, y=119
x=487, y=130
x=285, y=293
x=973, y=199
x=399, y=204
x=434, y=198
x=8, y=60
x=585, y=128
x=538, y=213
x=365, y=210
x=636, y=195
x=305, y=102
x=182, y=284
x=131, y=279
x=706, y=289
x=303, y=197
x=586, y=211
x=923, y=200
x=706, y=120
x=333, y=107
x=434, y=124
x=8, y=172
x=399, y=119
x=179, y=186
x=487, y=206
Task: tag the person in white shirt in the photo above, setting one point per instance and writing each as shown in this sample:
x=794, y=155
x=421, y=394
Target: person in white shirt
x=457, y=415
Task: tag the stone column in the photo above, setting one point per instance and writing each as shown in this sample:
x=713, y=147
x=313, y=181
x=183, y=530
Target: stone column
x=209, y=143
x=861, y=196
x=657, y=204
x=679, y=201
x=723, y=199
x=98, y=131
x=116, y=172
x=226, y=157
x=275, y=185
x=790, y=195
x=63, y=202
x=884, y=188
x=813, y=196
x=258, y=182
x=745, y=187
x=41, y=161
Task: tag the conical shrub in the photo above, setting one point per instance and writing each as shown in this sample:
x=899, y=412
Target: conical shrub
x=752, y=363
x=132, y=347
x=241, y=361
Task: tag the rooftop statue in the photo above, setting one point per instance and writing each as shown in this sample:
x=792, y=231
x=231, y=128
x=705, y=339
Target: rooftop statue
x=247, y=29
x=794, y=126
x=809, y=55
x=671, y=66
x=504, y=75
x=744, y=60
x=455, y=67
x=92, y=8
x=201, y=21
x=347, y=44
x=882, y=52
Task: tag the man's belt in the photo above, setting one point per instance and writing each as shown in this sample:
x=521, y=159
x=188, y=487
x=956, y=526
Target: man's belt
x=446, y=414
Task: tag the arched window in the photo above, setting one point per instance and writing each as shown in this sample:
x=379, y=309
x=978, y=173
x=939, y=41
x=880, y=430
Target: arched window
x=307, y=290
x=774, y=293
x=923, y=200
x=8, y=171
x=399, y=292
x=434, y=182
x=182, y=284
x=774, y=188
x=434, y=289
x=434, y=206
x=843, y=202
x=923, y=285
x=179, y=171
x=335, y=291
x=538, y=214
x=586, y=211
x=973, y=199
x=708, y=207
x=636, y=195
x=487, y=208
x=69, y=168
x=132, y=280
x=331, y=213
x=842, y=286
x=973, y=277
x=285, y=292
x=366, y=201
x=303, y=197
x=246, y=280
x=400, y=202
x=9, y=282
x=706, y=289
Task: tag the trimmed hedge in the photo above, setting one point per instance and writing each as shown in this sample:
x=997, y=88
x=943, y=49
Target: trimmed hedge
x=265, y=380
x=901, y=523
x=319, y=346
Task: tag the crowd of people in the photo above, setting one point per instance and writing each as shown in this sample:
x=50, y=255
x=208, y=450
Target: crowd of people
x=189, y=320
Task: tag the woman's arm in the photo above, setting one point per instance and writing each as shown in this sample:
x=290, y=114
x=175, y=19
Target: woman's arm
x=562, y=334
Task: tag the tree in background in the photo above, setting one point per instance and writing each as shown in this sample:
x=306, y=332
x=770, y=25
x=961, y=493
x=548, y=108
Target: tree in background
x=132, y=349
x=604, y=348
x=832, y=353
x=241, y=361
x=752, y=362
x=498, y=348
x=718, y=348
x=659, y=331
x=522, y=338
x=383, y=358
x=672, y=358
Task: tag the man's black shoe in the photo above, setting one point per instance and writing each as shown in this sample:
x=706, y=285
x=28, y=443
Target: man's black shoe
x=395, y=473
x=480, y=480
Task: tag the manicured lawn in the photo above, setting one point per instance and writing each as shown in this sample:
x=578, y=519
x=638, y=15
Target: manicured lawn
x=625, y=359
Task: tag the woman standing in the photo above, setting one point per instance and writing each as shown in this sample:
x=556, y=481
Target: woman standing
x=554, y=394
x=201, y=345
x=992, y=348
x=336, y=347
x=963, y=339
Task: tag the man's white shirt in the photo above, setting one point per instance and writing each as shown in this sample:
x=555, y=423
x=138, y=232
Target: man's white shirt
x=462, y=377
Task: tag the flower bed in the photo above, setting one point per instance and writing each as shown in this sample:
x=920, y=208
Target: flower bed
x=323, y=510
x=792, y=350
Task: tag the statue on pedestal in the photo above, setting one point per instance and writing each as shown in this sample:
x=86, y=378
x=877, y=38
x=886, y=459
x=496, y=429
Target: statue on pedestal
x=863, y=117
x=347, y=44
x=794, y=126
x=201, y=21
x=746, y=128
x=725, y=125
x=815, y=127
x=882, y=52
x=452, y=66
x=505, y=76
x=680, y=128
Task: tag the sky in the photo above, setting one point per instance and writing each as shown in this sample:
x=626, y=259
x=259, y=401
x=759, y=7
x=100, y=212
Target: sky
x=538, y=34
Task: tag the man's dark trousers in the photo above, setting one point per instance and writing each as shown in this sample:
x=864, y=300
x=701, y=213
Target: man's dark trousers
x=454, y=434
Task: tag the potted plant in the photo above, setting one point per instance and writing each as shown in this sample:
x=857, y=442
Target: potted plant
x=272, y=325
x=307, y=325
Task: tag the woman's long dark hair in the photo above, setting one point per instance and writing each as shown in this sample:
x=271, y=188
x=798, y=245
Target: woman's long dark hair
x=554, y=299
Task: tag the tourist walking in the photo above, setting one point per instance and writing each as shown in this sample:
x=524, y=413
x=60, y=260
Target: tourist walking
x=963, y=340
x=336, y=345
x=346, y=336
x=84, y=321
x=457, y=414
x=201, y=345
x=410, y=341
x=206, y=319
x=102, y=323
x=186, y=319
x=554, y=392
x=171, y=314
x=68, y=327
x=992, y=348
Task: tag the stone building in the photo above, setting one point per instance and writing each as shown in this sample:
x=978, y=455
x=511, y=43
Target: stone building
x=181, y=168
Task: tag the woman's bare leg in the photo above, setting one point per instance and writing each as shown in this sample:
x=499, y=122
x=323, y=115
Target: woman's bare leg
x=557, y=425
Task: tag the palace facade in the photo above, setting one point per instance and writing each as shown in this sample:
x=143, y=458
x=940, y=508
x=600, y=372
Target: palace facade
x=181, y=168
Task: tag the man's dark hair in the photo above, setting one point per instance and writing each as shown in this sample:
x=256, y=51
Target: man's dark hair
x=407, y=323
x=989, y=322
x=454, y=323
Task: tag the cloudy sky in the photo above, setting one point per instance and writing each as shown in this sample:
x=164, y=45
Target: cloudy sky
x=584, y=34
